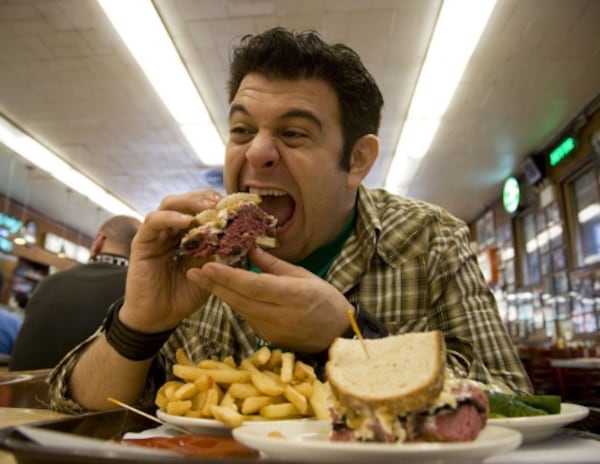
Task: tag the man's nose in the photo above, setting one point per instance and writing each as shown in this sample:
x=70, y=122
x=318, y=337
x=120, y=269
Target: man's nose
x=262, y=151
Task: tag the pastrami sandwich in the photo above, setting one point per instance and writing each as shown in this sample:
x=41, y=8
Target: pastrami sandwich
x=401, y=392
x=227, y=232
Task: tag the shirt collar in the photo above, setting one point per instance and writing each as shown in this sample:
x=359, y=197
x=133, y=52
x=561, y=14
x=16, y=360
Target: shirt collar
x=109, y=258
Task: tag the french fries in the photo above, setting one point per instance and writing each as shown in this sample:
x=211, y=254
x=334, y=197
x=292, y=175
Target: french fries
x=268, y=385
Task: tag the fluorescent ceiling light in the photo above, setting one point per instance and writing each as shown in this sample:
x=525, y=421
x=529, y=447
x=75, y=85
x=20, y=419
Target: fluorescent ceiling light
x=40, y=156
x=458, y=28
x=143, y=32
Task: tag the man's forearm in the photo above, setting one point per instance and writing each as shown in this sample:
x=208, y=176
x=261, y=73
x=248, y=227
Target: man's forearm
x=101, y=373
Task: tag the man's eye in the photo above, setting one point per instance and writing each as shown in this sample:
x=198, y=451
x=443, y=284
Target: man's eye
x=240, y=134
x=239, y=130
x=291, y=134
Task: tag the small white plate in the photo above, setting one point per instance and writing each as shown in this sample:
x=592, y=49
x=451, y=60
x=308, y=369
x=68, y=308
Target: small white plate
x=538, y=428
x=215, y=427
x=193, y=424
x=309, y=442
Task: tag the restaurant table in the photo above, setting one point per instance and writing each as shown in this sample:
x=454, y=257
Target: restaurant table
x=576, y=363
x=24, y=389
x=18, y=416
x=23, y=400
x=567, y=445
x=576, y=443
x=578, y=378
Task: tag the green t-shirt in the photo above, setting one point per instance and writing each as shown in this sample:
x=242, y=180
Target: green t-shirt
x=320, y=260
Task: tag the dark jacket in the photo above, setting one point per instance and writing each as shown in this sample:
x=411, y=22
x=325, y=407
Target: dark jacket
x=64, y=309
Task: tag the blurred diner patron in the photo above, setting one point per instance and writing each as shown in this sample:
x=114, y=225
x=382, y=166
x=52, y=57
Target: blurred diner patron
x=303, y=119
x=68, y=306
x=10, y=324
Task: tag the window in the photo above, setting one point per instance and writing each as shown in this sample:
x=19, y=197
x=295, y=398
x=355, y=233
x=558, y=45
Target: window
x=531, y=257
x=586, y=205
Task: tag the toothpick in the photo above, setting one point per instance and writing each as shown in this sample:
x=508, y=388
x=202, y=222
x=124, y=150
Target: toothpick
x=147, y=416
x=354, y=326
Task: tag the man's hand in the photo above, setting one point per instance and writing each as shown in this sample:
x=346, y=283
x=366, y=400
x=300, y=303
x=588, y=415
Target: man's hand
x=158, y=295
x=286, y=305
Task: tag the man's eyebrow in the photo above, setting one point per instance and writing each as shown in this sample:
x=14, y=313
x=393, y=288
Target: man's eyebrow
x=293, y=113
x=237, y=108
x=300, y=113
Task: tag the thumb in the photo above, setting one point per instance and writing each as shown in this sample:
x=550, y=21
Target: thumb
x=268, y=263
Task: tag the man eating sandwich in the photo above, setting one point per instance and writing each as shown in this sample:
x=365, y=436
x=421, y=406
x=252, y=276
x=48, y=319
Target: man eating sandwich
x=303, y=118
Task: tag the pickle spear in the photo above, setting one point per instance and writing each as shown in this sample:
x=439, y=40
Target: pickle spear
x=508, y=405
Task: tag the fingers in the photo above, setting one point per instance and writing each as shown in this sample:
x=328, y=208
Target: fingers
x=174, y=214
x=191, y=202
x=237, y=286
x=159, y=221
x=268, y=263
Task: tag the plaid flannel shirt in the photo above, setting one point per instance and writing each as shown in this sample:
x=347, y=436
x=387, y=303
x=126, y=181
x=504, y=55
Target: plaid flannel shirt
x=407, y=262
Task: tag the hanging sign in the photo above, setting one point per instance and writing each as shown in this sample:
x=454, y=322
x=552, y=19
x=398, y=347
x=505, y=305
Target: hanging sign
x=561, y=151
x=511, y=195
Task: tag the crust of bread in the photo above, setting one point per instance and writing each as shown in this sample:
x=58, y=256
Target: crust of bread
x=233, y=201
x=266, y=242
x=216, y=218
x=403, y=373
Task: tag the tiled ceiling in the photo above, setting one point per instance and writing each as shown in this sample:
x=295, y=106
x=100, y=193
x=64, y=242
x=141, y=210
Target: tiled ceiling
x=67, y=80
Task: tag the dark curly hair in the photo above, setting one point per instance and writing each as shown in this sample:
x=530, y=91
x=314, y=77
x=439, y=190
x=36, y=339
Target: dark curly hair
x=282, y=54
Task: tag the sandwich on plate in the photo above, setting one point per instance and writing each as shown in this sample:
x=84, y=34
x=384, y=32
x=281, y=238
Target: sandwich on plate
x=227, y=232
x=397, y=389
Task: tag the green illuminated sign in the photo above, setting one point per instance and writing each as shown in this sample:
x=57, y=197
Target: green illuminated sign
x=511, y=195
x=560, y=152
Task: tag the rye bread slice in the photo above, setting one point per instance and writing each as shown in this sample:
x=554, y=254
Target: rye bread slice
x=404, y=373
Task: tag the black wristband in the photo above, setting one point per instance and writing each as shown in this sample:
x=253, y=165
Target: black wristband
x=369, y=325
x=130, y=343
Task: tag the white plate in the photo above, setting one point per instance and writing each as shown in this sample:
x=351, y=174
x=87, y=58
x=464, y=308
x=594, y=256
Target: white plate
x=538, y=428
x=309, y=442
x=213, y=426
x=193, y=424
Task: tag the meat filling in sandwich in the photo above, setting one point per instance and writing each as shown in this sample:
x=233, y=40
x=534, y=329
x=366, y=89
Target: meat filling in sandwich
x=402, y=392
x=228, y=232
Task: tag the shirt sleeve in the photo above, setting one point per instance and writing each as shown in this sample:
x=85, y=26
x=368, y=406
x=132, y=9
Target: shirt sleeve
x=478, y=342
x=58, y=388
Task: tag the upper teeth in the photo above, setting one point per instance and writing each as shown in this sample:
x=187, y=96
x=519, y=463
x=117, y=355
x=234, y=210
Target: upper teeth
x=267, y=192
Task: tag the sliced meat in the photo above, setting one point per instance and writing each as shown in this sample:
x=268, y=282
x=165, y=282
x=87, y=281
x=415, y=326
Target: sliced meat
x=462, y=423
x=234, y=240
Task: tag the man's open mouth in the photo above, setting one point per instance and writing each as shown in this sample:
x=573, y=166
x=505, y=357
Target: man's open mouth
x=276, y=203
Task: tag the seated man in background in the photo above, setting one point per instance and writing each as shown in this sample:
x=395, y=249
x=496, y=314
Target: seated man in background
x=303, y=119
x=68, y=306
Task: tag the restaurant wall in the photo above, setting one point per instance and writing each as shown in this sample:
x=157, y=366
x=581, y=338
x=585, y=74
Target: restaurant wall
x=24, y=266
x=547, y=254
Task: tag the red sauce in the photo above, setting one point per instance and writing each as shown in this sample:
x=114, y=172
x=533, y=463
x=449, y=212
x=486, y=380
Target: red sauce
x=196, y=445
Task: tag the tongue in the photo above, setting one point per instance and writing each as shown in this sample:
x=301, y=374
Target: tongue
x=282, y=207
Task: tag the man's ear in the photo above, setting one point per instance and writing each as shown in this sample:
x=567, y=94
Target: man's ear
x=363, y=157
x=98, y=244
